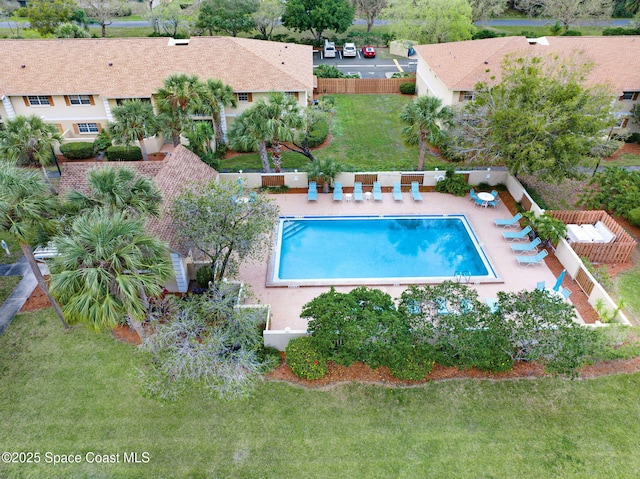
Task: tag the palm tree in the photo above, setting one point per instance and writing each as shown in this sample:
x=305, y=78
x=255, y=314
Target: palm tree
x=215, y=96
x=176, y=102
x=134, y=119
x=27, y=213
x=106, y=269
x=248, y=133
x=29, y=141
x=423, y=118
x=281, y=116
x=117, y=189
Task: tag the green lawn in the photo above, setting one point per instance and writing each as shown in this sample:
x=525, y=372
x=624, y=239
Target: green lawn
x=77, y=392
x=626, y=159
x=366, y=136
x=7, y=284
x=627, y=287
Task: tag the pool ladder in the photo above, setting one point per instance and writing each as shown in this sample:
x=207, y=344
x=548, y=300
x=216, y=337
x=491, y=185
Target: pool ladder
x=463, y=276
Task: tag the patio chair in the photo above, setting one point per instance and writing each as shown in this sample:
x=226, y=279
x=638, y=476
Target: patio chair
x=479, y=202
x=494, y=193
x=415, y=191
x=337, y=191
x=495, y=202
x=441, y=305
x=540, y=285
x=493, y=304
x=566, y=292
x=312, y=195
x=357, y=191
x=377, y=191
x=510, y=222
x=526, y=248
x=397, y=192
x=472, y=194
x=530, y=260
x=517, y=235
x=253, y=197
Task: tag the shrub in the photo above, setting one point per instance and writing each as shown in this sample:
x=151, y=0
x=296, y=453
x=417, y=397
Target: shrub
x=102, y=141
x=634, y=216
x=408, y=88
x=614, y=189
x=572, y=33
x=319, y=134
x=204, y=275
x=453, y=184
x=480, y=34
x=616, y=31
x=328, y=71
x=77, y=151
x=633, y=138
x=124, y=153
x=304, y=359
x=413, y=364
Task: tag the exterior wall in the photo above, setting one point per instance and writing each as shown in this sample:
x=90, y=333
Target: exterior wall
x=427, y=83
x=623, y=108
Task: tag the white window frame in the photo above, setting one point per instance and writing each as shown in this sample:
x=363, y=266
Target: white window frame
x=90, y=128
x=38, y=100
x=243, y=96
x=79, y=100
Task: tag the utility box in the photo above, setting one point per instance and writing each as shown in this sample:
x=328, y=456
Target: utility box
x=329, y=49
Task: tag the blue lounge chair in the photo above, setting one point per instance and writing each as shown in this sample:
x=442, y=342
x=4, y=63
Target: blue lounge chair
x=337, y=191
x=377, y=191
x=540, y=285
x=397, y=192
x=518, y=235
x=529, y=260
x=509, y=223
x=566, y=292
x=357, y=191
x=526, y=248
x=493, y=304
x=312, y=195
x=415, y=191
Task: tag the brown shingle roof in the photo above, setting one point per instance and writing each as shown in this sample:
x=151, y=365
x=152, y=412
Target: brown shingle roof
x=139, y=65
x=461, y=65
x=170, y=175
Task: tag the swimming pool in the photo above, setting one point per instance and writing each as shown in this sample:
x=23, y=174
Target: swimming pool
x=377, y=250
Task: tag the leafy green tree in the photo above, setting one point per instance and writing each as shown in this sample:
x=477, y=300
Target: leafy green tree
x=28, y=214
x=134, y=119
x=316, y=17
x=29, y=141
x=227, y=16
x=423, y=119
x=369, y=9
x=214, y=96
x=430, y=21
x=267, y=17
x=46, y=15
x=176, y=101
x=200, y=134
x=116, y=189
x=106, y=269
x=71, y=30
x=540, y=119
x=568, y=12
x=483, y=9
x=614, y=189
x=222, y=226
x=103, y=11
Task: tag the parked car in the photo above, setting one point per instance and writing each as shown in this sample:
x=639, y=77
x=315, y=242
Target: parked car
x=368, y=52
x=349, y=50
x=329, y=49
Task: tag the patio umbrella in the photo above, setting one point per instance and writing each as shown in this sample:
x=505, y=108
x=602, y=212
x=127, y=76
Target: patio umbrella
x=558, y=284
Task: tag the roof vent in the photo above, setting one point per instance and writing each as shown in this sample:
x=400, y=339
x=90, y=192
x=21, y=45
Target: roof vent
x=178, y=42
x=23, y=66
x=110, y=64
x=486, y=62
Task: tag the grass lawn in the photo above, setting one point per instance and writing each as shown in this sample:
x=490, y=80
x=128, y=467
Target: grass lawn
x=627, y=287
x=366, y=136
x=14, y=249
x=625, y=159
x=7, y=284
x=77, y=392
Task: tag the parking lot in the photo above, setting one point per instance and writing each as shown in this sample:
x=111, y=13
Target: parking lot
x=382, y=66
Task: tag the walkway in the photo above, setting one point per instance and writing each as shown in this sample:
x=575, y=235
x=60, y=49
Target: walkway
x=20, y=294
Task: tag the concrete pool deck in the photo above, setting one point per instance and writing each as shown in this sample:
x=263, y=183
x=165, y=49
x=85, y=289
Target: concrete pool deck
x=286, y=302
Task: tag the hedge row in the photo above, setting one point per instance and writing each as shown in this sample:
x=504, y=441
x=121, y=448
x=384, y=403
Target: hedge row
x=77, y=151
x=123, y=153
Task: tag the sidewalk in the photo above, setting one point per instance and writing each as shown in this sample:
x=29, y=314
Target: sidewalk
x=21, y=292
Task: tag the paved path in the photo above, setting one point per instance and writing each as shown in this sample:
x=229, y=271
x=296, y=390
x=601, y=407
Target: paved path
x=20, y=294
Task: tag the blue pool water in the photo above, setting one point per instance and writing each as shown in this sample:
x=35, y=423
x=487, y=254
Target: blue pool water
x=371, y=248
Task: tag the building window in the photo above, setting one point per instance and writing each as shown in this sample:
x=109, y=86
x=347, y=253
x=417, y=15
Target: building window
x=627, y=95
x=88, y=128
x=38, y=100
x=243, y=97
x=79, y=99
x=468, y=96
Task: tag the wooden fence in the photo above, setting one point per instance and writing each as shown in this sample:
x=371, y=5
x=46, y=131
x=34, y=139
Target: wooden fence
x=618, y=251
x=361, y=85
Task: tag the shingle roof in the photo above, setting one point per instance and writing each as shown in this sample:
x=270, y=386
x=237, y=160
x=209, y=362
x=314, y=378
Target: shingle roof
x=460, y=65
x=136, y=67
x=170, y=175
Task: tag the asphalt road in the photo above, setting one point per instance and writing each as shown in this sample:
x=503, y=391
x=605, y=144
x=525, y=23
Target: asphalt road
x=366, y=67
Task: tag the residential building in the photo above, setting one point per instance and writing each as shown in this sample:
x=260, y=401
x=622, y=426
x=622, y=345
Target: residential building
x=76, y=83
x=450, y=71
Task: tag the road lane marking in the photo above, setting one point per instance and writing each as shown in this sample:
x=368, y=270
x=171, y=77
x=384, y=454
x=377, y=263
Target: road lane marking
x=398, y=65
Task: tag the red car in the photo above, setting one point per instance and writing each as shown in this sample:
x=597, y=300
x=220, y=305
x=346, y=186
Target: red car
x=368, y=52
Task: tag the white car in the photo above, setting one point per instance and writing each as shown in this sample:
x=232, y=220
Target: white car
x=349, y=50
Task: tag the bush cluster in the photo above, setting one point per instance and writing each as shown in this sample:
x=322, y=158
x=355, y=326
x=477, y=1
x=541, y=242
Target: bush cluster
x=408, y=88
x=634, y=216
x=616, y=31
x=77, y=151
x=124, y=153
x=614, y=189
x=453, y=184
x=319, y=133
x=304, y=359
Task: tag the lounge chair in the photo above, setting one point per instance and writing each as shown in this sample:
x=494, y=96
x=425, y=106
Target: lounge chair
x=312, y=195
x=526, y=248
x=337, y=191
x=529, y=260
x=509, y=223
x=377, y=191
x=397, y=192
x=357, y=191
x=566, y=292
x=517, y=235
x=493, y=304
x=415, y=191
x=540, y=285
